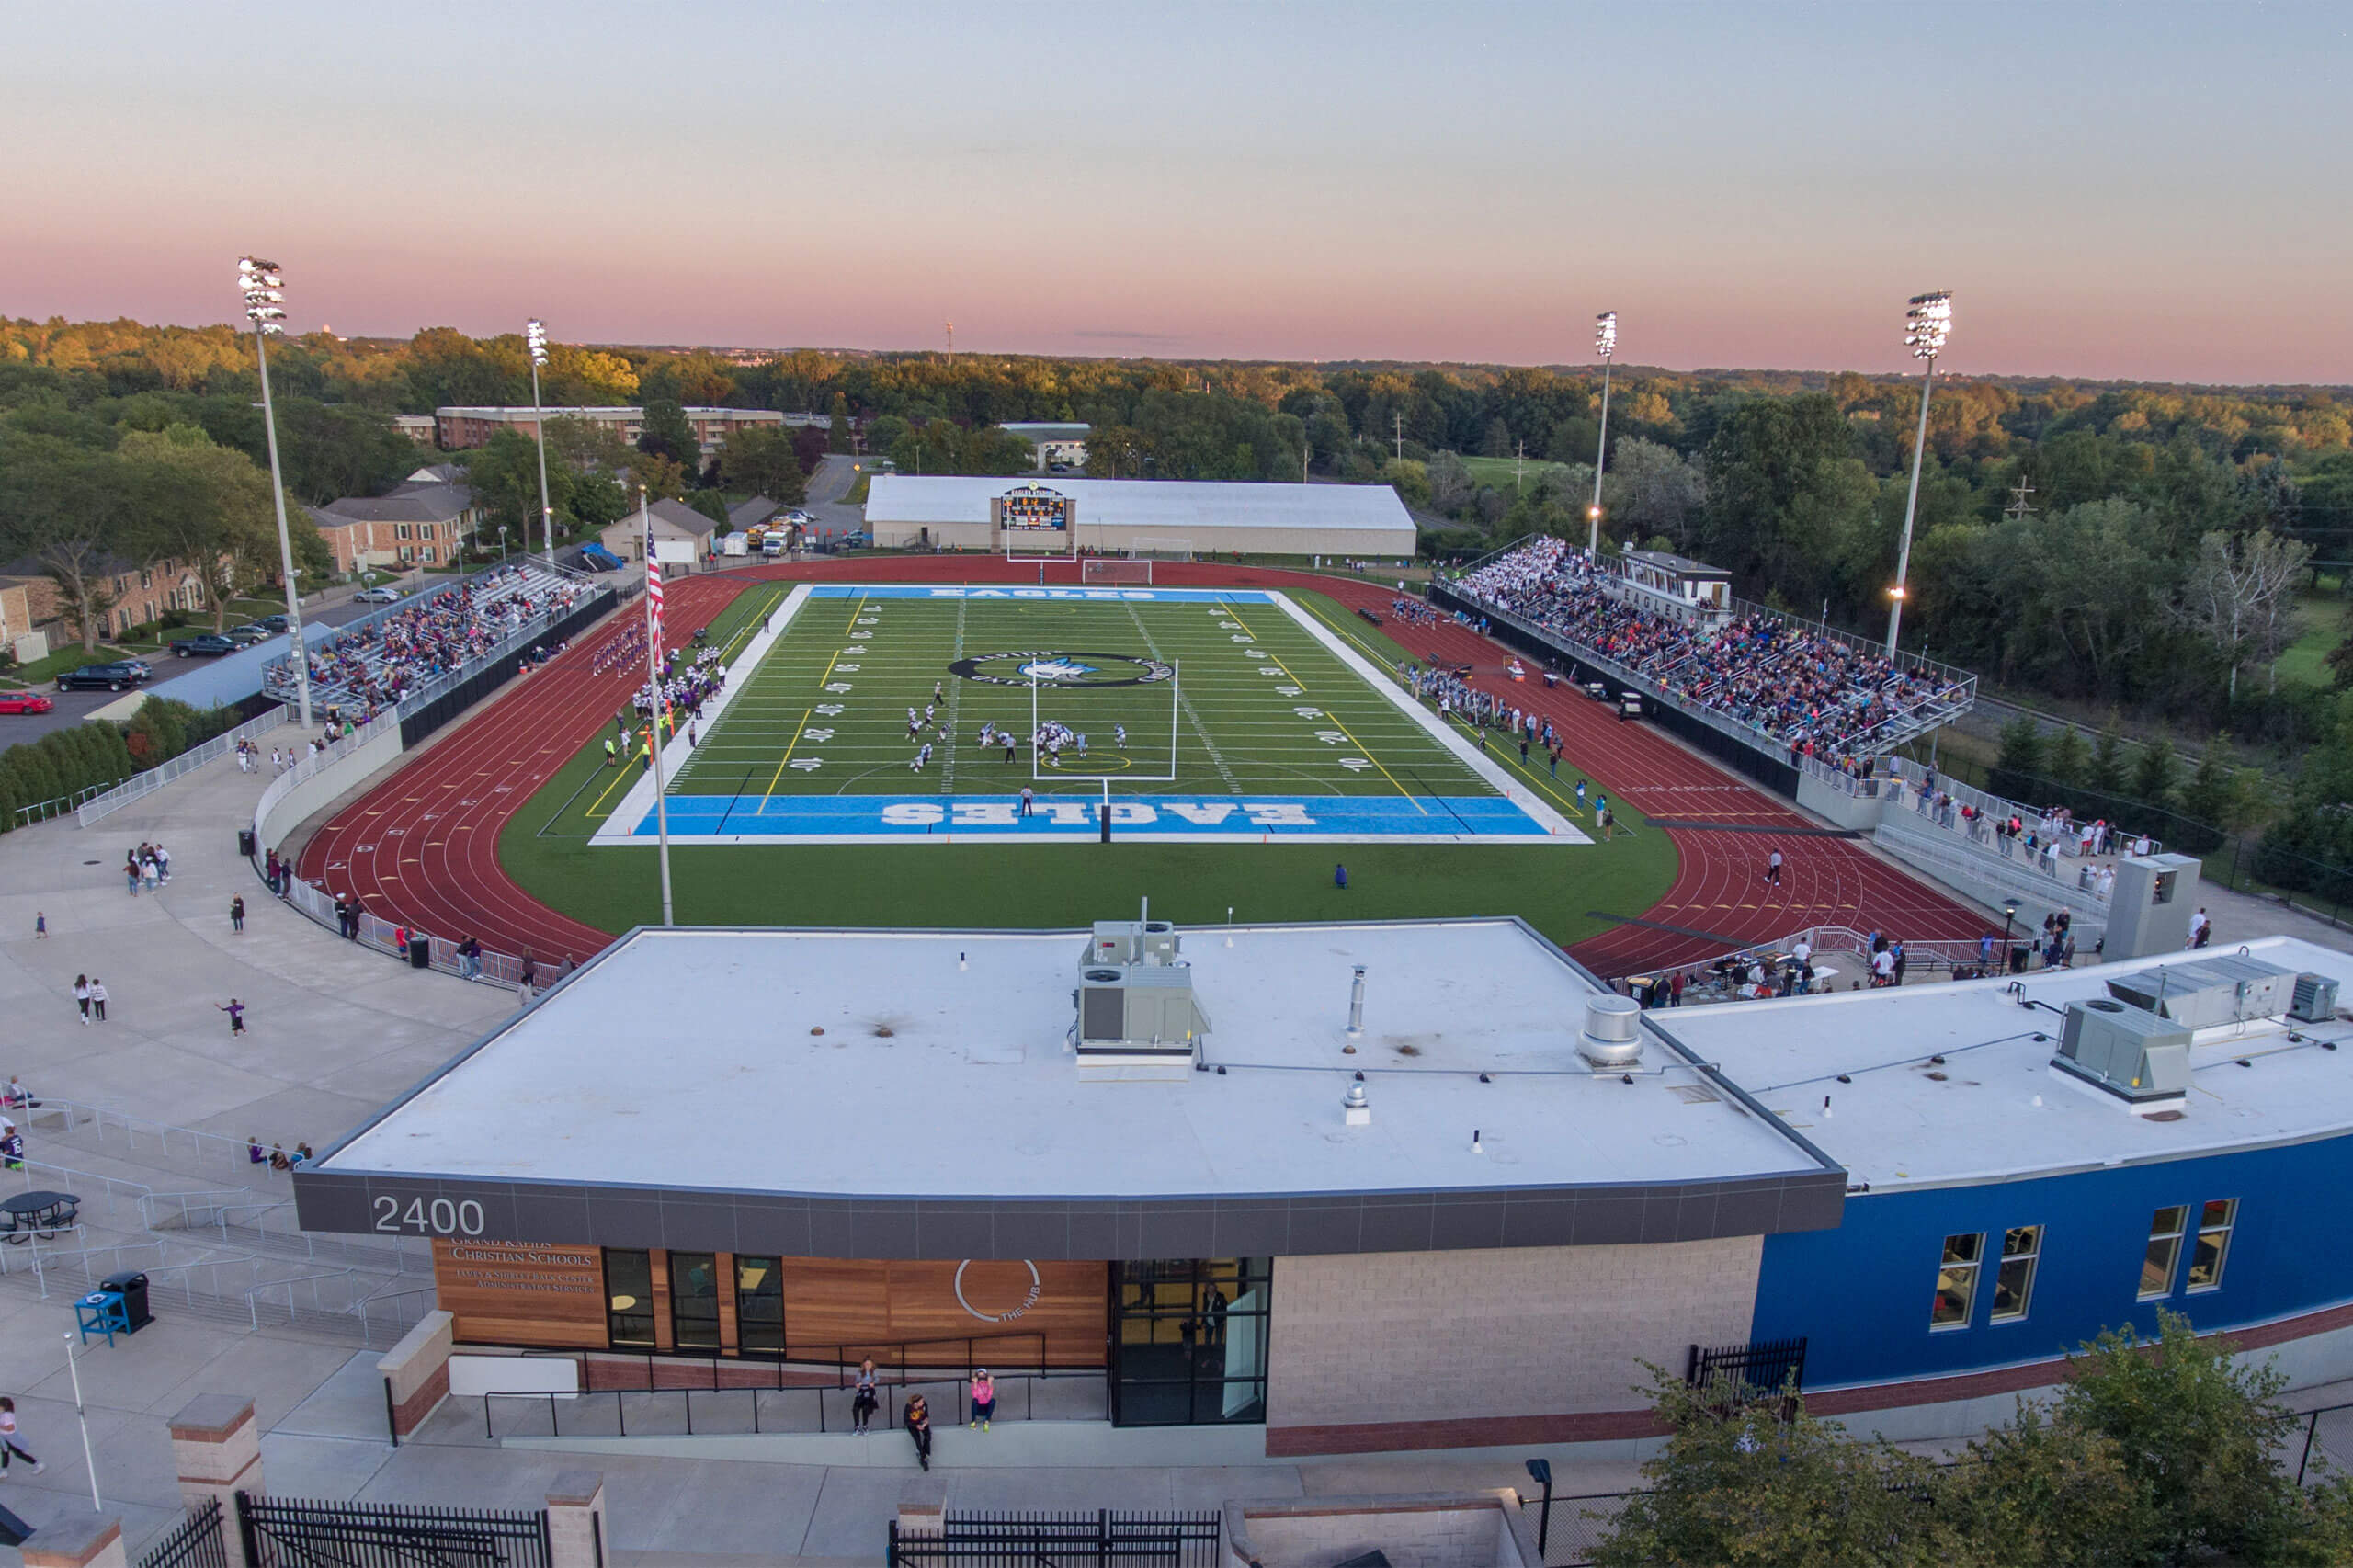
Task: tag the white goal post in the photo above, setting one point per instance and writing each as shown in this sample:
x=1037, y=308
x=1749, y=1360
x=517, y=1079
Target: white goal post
x=1100, y=569
x=1145, y=548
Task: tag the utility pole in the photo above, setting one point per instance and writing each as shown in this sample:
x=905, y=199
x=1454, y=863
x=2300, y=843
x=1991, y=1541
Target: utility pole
x=1520, y=469
x=2019, y=507
x=951, y=338
x=1399, y=421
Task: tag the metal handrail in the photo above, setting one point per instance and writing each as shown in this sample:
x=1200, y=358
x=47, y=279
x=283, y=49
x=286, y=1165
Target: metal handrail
x=142, y=784
x=77, y=1111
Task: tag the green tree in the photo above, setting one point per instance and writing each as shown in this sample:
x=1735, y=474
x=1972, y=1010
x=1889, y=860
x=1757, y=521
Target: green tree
x=2107, y=772
x=664, y=433
x=206, y=507
x=2023, y=761
x=837, y=429
x=71, y=510
x=2045, y=1493
x=760, y=460
x=2158, y=773
x=2199, y=1436
x=503, y=473
x=2215, y=793
x=1748, y=1489
x=2067, y=758
x=1496, y=443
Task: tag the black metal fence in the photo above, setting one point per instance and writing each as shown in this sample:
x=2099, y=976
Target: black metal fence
x=416, y=726
x=195, y=1542
x=1573, y=1529
x=1099, y=1539
x=285, y=1532
x=1764, y=1369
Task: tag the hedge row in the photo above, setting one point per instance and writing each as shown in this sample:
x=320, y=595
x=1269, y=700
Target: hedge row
x=63, y=763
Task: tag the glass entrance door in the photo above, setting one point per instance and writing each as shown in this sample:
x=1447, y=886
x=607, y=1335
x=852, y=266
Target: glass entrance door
x=1188, y=1341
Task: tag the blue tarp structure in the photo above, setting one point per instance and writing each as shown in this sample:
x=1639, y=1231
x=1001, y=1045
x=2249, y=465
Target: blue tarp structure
x=596, y=558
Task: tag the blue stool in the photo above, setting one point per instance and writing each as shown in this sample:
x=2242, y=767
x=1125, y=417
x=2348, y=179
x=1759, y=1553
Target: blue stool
x=102, y=1311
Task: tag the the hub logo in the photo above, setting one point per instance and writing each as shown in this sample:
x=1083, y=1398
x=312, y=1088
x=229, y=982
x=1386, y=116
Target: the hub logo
x=1059, y=667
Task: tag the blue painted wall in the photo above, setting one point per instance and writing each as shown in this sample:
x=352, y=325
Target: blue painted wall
x=1861, y=1294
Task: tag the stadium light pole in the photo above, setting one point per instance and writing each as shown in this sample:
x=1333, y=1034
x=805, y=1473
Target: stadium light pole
x=535, y=333
x=264, y=288
x=1604, y=343
x=1926, y=324
x=653, y=678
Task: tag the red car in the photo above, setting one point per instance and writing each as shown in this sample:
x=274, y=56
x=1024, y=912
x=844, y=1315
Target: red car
x=24, y=702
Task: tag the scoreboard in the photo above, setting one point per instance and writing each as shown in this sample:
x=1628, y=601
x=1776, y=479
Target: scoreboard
x=1033, y=509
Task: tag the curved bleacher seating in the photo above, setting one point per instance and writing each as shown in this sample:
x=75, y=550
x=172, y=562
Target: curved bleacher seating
x=1812, y=691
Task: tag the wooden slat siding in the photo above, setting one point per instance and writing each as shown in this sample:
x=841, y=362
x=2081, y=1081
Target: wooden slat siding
x=725, y=1267
x=554, y=1305
x=665, y=1330
x=830, y=1302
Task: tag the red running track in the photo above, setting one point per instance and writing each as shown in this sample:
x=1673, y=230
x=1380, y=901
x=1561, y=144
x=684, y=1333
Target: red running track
x=423, y=847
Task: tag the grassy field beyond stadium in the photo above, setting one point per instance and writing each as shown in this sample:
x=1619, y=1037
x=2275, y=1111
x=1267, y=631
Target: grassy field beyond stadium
x=1238, y=733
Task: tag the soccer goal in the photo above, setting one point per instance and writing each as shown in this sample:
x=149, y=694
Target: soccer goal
x=1094, y=716
x=1145, y=548
x=1098, y=569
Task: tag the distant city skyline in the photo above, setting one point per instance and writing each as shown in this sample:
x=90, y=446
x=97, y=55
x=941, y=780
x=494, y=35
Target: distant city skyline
x=2146, y=192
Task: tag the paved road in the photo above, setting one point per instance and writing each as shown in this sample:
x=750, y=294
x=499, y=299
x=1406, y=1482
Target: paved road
x=826, y=487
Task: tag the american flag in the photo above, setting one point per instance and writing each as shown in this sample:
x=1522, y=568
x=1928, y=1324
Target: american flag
x=653, y=600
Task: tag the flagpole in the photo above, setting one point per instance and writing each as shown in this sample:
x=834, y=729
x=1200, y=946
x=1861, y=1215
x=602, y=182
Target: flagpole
x=653, y=672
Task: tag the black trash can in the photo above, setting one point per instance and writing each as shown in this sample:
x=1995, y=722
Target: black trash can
x=246, y=842
x=132, y=1287
x=420, y=952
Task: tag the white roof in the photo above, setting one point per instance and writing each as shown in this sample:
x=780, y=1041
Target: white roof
x=1179, y=506
x=1998, y=1108
x=693, y=1058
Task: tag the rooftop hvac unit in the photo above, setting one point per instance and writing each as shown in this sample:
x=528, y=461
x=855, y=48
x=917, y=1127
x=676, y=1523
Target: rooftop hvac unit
x=1132, y=941
x=1612, y=1041
x=2208, y=993
x=1137, y=1020
x=2314, y=1001
x=2136, y=1055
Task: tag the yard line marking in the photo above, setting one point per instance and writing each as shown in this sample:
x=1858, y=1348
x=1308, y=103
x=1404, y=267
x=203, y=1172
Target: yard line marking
x=1271, y=655
x=785, y=758
x=1375, y=760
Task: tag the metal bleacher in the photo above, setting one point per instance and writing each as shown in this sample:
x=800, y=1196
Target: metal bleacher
x=498, y=598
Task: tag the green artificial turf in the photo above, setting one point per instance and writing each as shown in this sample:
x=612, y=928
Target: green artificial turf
x=544, y=846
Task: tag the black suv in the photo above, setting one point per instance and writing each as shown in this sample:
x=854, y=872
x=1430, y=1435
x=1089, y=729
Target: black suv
x=210, y=646
x=113, y=677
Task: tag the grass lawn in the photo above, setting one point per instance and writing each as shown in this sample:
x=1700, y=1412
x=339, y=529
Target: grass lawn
x=1065, y=885
x=856, y=495
x=2306, y=659
x=1497, y=472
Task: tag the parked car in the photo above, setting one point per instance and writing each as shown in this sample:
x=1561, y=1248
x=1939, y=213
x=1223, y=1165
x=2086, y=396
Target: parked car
x=384, y=595
x=246, y=636
x=111, y=678
x=272, y=624
x=207, y=646
x=24, y=702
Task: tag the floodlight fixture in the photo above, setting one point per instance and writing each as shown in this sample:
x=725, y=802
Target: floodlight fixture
x=1927, y=321
x=264, y=288
x=1604, y=334
x=535, y=334
x=1604, y=343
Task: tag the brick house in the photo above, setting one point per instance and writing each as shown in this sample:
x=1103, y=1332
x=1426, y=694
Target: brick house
x=30, y=599
x=422, y=523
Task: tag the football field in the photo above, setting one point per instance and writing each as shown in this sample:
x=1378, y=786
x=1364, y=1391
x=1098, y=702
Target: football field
x=858, y=715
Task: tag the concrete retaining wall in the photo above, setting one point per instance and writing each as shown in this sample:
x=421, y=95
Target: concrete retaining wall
x=321, y=790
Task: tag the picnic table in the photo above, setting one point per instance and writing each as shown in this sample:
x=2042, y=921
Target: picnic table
x=38, y=1213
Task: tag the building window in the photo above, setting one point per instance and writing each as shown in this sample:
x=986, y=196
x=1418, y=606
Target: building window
x=1957, y=1280
x=428, y=555
x=759, y=1304
x=694, y=1301
x=2014, y=1282
x=628, y=1297
x=2214, y=1247
x=2165, y=1251
x=1189, y=1340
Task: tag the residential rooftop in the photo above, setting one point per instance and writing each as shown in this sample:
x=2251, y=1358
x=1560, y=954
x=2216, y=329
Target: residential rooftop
x=1177, y=505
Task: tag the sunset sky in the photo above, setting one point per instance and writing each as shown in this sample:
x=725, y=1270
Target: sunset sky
x=2141, y=190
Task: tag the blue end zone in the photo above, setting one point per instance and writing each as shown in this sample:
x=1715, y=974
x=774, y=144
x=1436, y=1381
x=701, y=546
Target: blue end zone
x=1108, y=595
x=808, y=817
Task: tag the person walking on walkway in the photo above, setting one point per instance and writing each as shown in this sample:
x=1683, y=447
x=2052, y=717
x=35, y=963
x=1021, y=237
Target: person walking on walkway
x=527, y=984
x=40, y=926
x=82, y=995
x=9, y=1447
x=983, y=1398
x=130, y=872
x=236, y=1011
x=917, y=1419
x=865, y=1400
x=98, y=998
x=237, y=913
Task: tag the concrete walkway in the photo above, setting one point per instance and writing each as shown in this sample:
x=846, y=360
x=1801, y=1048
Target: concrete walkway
x=334, y=1031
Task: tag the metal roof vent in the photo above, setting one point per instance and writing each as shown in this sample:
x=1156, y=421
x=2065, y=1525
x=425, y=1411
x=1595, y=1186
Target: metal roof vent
x=1612, y=1039
x=2139, y=1056
x=1355, y=1109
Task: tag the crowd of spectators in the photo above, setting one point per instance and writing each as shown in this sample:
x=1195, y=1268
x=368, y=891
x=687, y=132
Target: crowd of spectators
x=1817, y=694
x=374, y=665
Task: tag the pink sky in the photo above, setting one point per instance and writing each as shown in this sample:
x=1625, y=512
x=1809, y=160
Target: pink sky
x=2144, y=191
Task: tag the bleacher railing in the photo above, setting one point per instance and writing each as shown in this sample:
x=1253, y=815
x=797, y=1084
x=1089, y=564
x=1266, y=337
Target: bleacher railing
x=277, y=677
x=505, y=969
x=188, y=761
